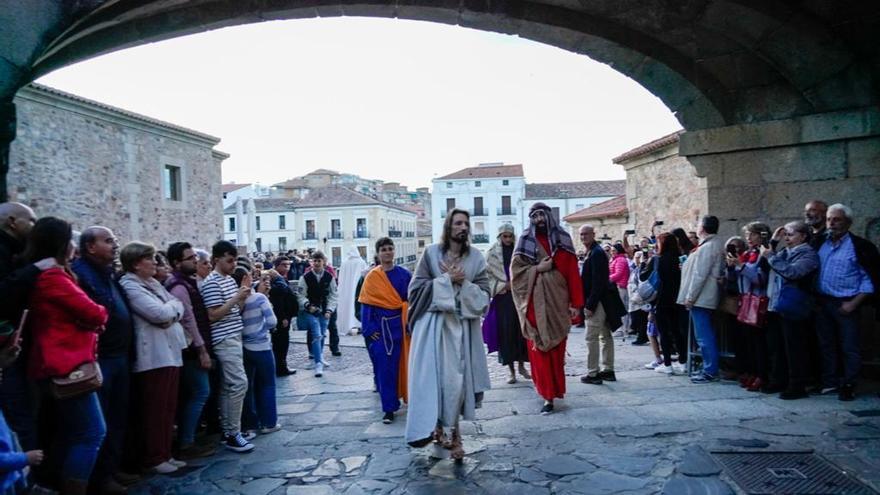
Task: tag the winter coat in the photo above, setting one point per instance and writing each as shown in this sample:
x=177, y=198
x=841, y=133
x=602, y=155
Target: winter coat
x=158, y=335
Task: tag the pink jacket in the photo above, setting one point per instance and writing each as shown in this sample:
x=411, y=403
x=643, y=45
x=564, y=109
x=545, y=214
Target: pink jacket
x=619, y=270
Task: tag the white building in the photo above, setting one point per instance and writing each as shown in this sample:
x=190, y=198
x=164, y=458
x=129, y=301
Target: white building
x=233, y=191
x=492, y=192
x=275, y=223
x=565, y=198
x=333, y=219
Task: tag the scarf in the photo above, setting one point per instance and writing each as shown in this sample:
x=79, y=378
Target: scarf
x=378, y=291
x=527, y=244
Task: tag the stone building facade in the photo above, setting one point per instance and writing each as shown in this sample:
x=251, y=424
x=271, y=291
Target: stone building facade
x=94, y=164
x=662, y=185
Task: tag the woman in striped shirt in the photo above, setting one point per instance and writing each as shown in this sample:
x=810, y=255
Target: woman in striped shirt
x=259, y=412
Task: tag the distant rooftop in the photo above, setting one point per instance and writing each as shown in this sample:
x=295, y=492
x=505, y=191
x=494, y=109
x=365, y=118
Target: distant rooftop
x=648, y=147
x=266, y=204
x=227, y=188
x=584, y=189
x=615, y=207
x=486, y=171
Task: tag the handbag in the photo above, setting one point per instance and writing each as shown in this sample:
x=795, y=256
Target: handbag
x=649, y=289
x=794, y=303
x=752, y=310
x=83, y=379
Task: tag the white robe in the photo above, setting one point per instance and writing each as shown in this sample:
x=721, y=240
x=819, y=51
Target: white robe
x=447, y=359
x=349, y=274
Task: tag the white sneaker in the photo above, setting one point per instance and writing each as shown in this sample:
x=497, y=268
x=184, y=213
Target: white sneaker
x=679, y=369
x=271, y=429
x=319, y=370
x=325, y=363
x=163, y=468
x=652, y=365
x=175, y=462
x=309, y=366
x=666, y=370
x=618, y=333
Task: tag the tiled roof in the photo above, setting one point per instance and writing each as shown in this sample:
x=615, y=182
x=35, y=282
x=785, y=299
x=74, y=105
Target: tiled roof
x=266, y=204
x=584, y=189
x=615, y=207
x=648, y=147
x=323, y=171
x=498, y=171
x=291, y=183
x=341, y=196
x=227, y=188
x=41, y=88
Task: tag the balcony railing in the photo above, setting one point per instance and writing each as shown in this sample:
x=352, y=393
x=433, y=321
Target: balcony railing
x=506, y=211
x=409, y=233
x=395, y=233
x=410, y=258
x=335, y=235
x=309, y=236
x=360, y=234
x=481, y=238
x=479, y=212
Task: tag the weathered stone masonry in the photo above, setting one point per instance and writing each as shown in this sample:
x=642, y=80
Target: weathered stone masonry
x=91, y=164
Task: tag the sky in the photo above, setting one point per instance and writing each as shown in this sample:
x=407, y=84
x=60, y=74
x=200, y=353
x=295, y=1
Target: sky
x=401, y=101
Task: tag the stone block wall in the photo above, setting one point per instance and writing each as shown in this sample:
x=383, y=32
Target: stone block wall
x=96, y=165
x=769, y=171
x=661, y=185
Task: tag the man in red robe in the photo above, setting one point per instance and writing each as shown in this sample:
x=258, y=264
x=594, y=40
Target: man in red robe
x=547, y=292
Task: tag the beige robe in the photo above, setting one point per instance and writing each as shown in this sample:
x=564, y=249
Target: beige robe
x=548, y=292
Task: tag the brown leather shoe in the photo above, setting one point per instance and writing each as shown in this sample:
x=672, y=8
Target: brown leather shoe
x=195, y=451
x=111, y=487
x=127, y=479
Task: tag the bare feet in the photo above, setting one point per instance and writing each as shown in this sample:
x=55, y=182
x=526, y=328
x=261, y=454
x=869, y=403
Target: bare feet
x=456, y=449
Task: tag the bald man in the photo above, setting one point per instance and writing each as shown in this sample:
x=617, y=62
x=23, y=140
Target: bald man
x=16, y=222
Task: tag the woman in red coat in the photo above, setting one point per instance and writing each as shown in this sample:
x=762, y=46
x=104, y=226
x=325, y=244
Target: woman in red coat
x=64, y=325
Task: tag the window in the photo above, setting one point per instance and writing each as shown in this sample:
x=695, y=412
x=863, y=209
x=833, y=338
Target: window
x=335, y=230
x=361, y=228
x=505, y=205
x=282, y=243
x=259, y=244
x=336, y=256
x=450, y=204
x=449, y=185
x=579, y=206
x=282, y=222
x=478, y=183
x=505, y=182
x=478, y=207
x=232, y=224
x=171, y=179
x=258, y=224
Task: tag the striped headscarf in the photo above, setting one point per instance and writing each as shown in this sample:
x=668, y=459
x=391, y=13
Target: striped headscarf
x=527, y=245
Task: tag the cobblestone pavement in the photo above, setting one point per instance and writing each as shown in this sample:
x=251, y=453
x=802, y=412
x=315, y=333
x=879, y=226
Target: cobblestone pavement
x=645, y=433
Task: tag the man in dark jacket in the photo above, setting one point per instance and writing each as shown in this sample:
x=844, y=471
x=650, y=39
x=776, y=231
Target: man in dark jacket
x=285, y=305
x=16, y=281
x=602, y=309
x=98, y=249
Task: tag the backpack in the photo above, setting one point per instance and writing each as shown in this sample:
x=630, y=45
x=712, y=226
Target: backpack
x=649, y=289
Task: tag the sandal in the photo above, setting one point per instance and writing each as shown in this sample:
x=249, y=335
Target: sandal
x=439, y=437
x=456, y=449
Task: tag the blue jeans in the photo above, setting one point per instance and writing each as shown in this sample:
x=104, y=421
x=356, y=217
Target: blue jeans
x=705, y=335
x=194, y=391
x=113, y=395
x=81, y=429
x=317, y=328
x=838, y=341
x=260, y=410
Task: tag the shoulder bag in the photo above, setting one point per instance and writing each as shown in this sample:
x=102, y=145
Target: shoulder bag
x=83, y=379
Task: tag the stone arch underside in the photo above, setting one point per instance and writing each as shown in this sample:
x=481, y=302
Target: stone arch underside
x=714, y=63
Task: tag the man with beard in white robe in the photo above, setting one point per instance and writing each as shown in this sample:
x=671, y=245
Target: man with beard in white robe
x=447, y=362
x=349, y=274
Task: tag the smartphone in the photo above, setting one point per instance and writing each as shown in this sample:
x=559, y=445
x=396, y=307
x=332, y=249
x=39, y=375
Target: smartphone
x=16, y=337
x=658, y=223
x=629, y=232
x=765, y=239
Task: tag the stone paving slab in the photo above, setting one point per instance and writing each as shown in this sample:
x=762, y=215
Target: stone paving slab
x=640, y=434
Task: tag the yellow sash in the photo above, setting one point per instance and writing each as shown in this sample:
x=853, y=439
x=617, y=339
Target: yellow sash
x=378, y=291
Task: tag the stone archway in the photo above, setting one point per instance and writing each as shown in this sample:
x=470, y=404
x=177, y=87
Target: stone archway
x=777, y=98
